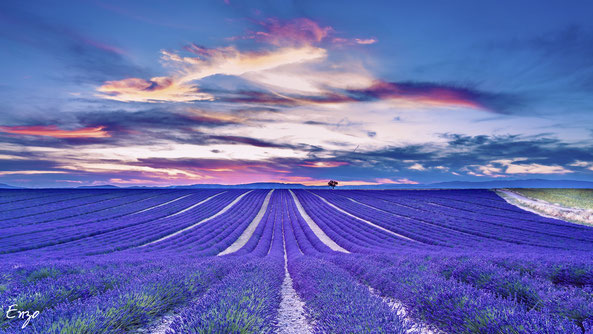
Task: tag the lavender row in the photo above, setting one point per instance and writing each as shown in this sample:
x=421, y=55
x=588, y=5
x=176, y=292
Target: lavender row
x=488, y=227
x=246, y=301
x=21, y=199
x=485, y=200
x=268, y=234
x=348, y=232
x=125, y=207
x=565, y=301
x=217, y=234
x=122, y=220
x=92, y=210
x=419, y=228
x=472, y=207
x=134, y=305
x=136, y=230
x=63, y=203
x=451, y=306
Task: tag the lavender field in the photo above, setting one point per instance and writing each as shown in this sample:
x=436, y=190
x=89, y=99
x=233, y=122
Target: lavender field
x=288, y=261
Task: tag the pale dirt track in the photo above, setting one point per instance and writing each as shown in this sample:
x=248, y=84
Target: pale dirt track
x=364, y=220
x=546, y=209
x=315, y=228
x=225, y=209
x=246, y=235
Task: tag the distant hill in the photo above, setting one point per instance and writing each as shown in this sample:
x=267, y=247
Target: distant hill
x=530, y=183
x=102, y=186
x=493, y=184
x=259, y=185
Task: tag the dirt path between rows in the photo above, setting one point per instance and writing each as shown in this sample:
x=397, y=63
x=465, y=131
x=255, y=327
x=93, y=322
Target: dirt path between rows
x=246, y=235
x=547, y=209
x=400, y=310
x=291, y=314
x=225, y=209
x=162, y=204
x=315, y=228
x=364, y=220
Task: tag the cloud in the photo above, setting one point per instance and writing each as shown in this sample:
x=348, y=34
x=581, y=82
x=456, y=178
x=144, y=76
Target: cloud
x=157, y=89
x=297, y=31
x=55, y=132
x=340, y=41
x=398, y=181
x=436, y=95
x=583, y=164
x=231, y=61
x=417, y=167
x=180, y=86
x=323, y=164
x=246, y=140
x=480, y=156
x=172, y=119
x=286, y=100
x=508, y=167
x=294, y=72
x=365, y=41
x=535, y=169
x=31, y=172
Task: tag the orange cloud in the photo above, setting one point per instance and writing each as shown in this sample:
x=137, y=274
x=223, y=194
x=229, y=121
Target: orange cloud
x=154, y=90
x=54, y=131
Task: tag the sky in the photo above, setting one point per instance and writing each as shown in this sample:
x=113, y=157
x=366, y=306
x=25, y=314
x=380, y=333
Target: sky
x=161, y=93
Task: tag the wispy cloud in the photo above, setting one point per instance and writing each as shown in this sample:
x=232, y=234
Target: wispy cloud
x=436, y=95
x=54, y=131
x=181, y=87
x=324, y=164
x=297, y=31
x=157, y=89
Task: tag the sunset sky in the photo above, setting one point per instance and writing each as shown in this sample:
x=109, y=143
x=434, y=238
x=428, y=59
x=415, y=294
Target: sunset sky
x=366, y=92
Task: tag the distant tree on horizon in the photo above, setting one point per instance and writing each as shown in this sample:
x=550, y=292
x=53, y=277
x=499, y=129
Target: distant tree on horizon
x=332, y=183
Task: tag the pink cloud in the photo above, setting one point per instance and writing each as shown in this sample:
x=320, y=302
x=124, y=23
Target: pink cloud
x=103, y=46
x=298, y=31
x=434, y=94
x=54, y=131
